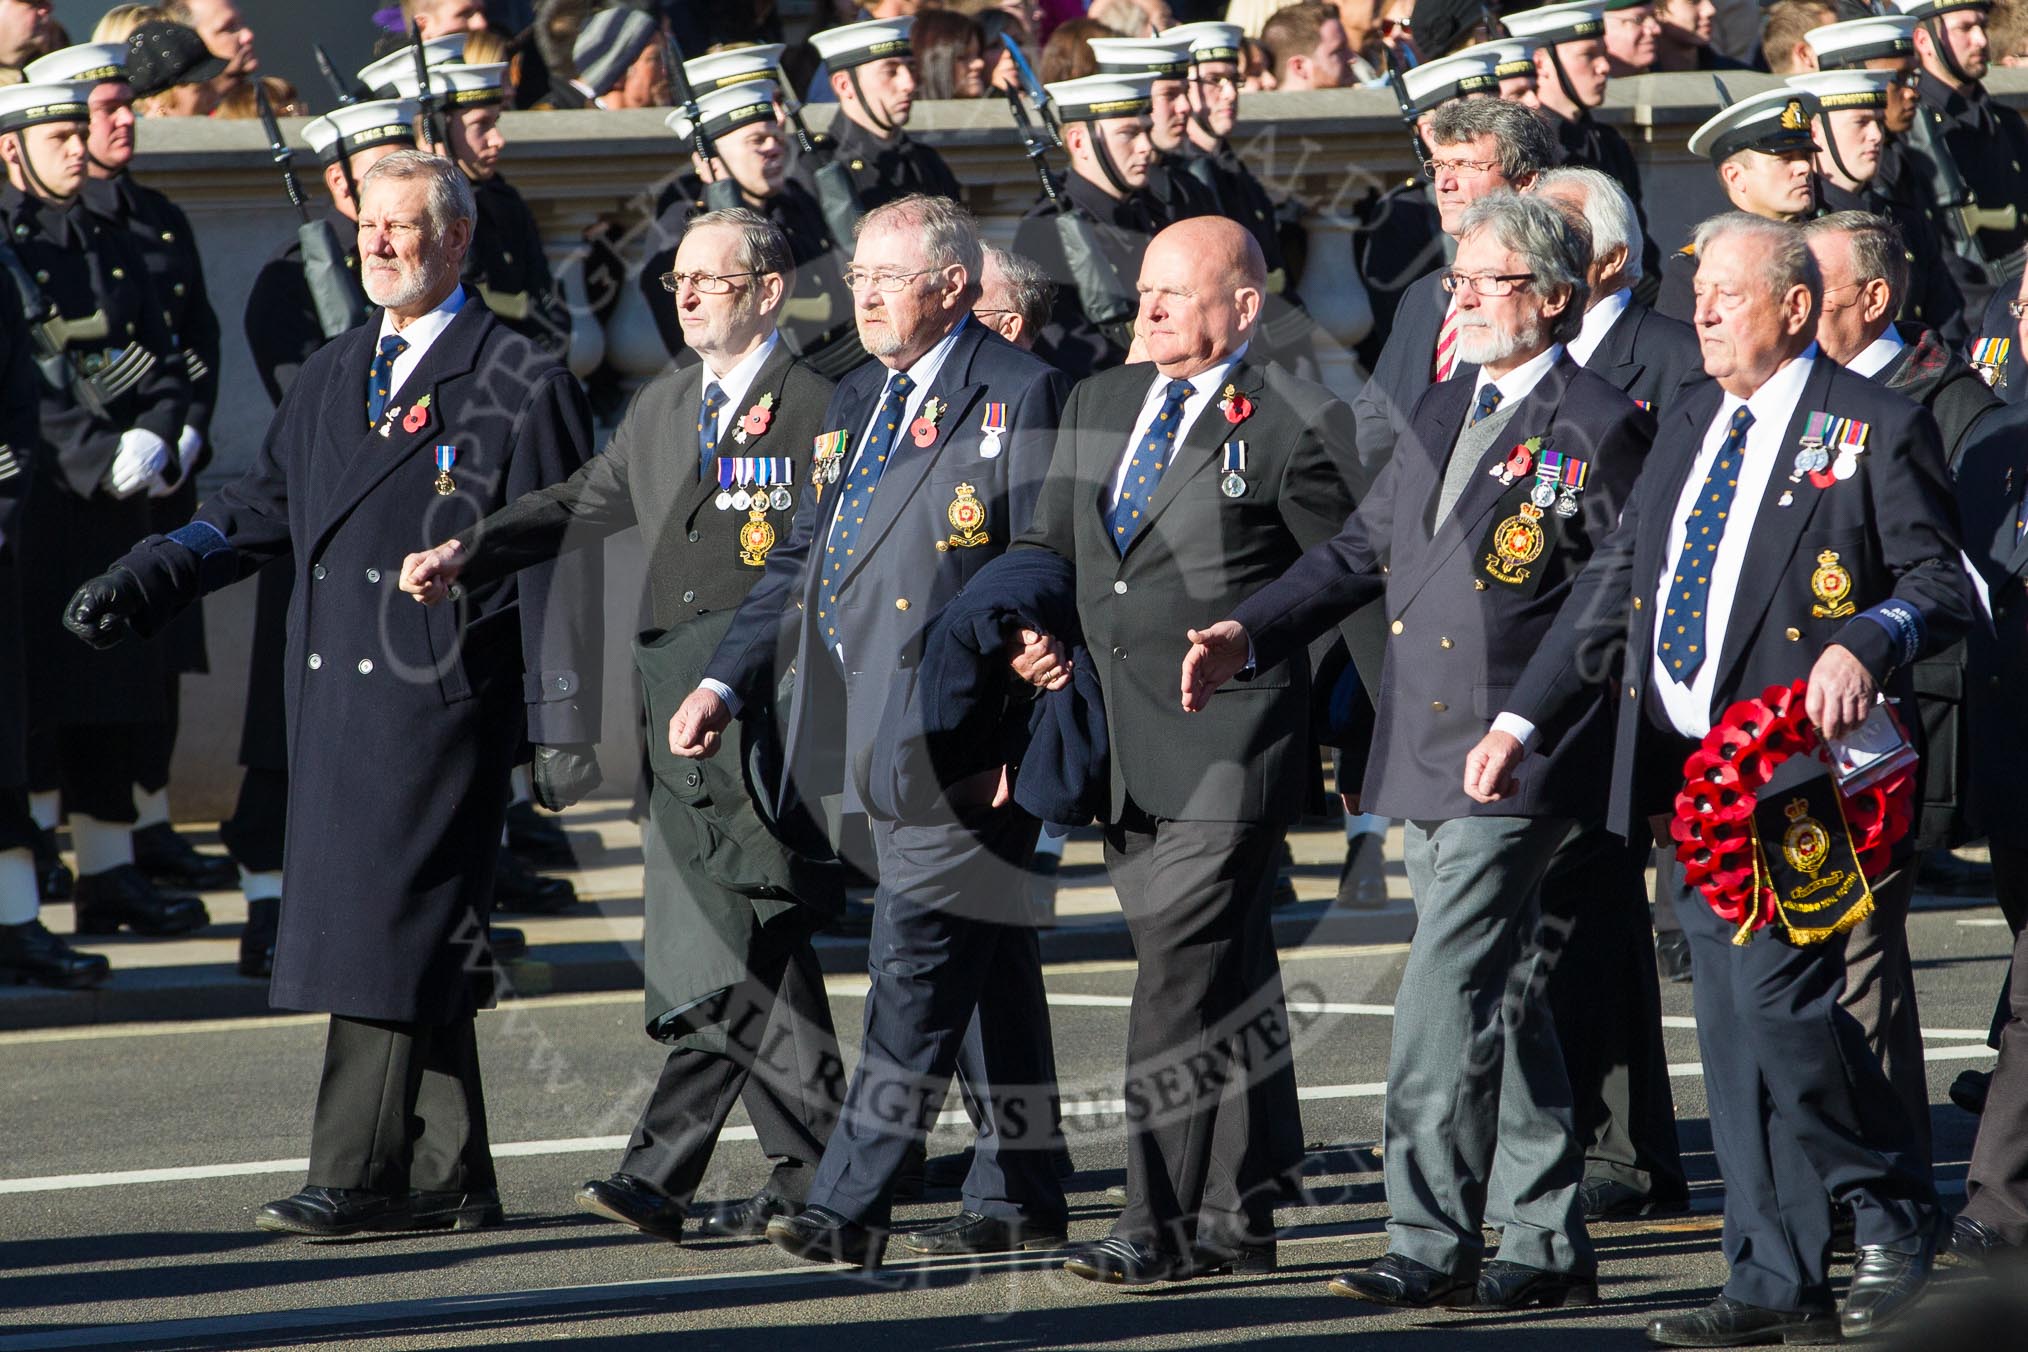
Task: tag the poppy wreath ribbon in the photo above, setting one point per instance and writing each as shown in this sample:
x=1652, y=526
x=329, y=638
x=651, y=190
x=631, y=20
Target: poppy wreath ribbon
x=1713, y=825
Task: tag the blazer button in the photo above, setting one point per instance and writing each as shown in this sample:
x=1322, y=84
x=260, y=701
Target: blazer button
x=1445, y=643
x=1631, y=692
x=1395, y=627
x=365, y=666
x=315, y=661
x=1637, y=603
x=317, y=571
x=1792, y=633
x=1438, y=706
x=1119, y=589
x=1478, y=584
x=901, y=603
x=693, y=537
x=373, y=575
x=689, y=596
x=1119, y=652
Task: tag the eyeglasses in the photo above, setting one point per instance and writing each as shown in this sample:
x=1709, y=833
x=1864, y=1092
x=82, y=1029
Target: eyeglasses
x=1906, y=79
x=1830, y=291
x=1469, y=168
x=886, y=283
x=1486, y=283
x=1390, y=27
x=982, y=314
x=703, y=283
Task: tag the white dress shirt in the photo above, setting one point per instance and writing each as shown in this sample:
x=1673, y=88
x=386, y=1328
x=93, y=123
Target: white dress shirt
x=1520, y=382
x=1688, y=706
x=1598, y=321
x=1873, y=358
x=1205, y=386
x=422, y=331
x=734, y=384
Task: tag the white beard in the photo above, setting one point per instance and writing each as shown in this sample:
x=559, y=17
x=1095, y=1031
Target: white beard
x=1483, y=343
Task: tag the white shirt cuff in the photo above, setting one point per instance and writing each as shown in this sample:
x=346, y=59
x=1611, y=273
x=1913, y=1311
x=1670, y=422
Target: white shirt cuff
x=723, y=691
x=1517, y=727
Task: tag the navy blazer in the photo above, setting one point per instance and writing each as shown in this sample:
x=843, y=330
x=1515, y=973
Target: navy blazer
x=906, y=566
x=1992, y=477
x=1649, y=356
x=1892, y=525
x=1457, y=637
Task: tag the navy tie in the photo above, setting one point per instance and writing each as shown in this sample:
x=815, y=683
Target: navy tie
x=1489, y=399
x=1682, y=644
x=858, y=491
x=380, y=376
x=1144, y=471
x=707, y=429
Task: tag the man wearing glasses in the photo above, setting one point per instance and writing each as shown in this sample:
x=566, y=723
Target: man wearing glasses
x=733, y=986
x=1506, y=480
x=929, y=463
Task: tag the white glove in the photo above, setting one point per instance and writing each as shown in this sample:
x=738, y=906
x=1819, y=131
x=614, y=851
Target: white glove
x=138, y=464
x=188, y=443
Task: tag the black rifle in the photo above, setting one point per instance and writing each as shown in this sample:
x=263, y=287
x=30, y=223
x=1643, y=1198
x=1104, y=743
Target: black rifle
x=720, y=194
x=836, y=197
x=345, y=91
x=425, y=99
x=1106, y=298
x=334, y=291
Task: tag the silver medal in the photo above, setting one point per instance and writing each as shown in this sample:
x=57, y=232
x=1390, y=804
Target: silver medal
x=741, y=500
x=1812, y=458
x=1542, y=495
x=1566, y=503
x=780, y=498
x=1233, y=485
x=724, y=499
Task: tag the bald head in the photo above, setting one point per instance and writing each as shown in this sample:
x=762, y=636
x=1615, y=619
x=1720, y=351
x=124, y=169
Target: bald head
x=1202, y=282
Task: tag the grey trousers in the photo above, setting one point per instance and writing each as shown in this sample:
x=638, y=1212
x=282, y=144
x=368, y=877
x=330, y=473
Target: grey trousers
x=1880, y=994
x=1479, y=1124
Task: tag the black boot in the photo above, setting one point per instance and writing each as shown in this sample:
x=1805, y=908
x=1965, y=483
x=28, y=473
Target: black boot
x=123, y=897
x=516, y=889
x=53, y=881
x=29, y=953
x=257, y=940
x=171, y=861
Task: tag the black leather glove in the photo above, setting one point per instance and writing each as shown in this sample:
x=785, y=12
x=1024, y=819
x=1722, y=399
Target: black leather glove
x=101, y=612
x=564, y=774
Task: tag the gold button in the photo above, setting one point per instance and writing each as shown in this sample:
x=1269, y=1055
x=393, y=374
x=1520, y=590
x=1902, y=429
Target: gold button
x=1793, y=633
x=1438, y=705
x=1444, y=643
x=119, y=273
x=1630, y=692
x=1396, y=626
x=1637, y=603
x=901, y=603
x=1478, y=584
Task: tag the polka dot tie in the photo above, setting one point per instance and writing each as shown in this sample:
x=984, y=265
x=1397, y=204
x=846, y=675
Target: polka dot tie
x=857, y=492
x=1682, y=643
x=1144, y=471
x=380, y=376
x=1489, y=402
x=707, y=430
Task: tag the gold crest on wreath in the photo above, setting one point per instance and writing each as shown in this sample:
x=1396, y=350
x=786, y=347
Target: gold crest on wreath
x=757, y=536
x=967, y=516
x=1831, y=584
x=1806, y=844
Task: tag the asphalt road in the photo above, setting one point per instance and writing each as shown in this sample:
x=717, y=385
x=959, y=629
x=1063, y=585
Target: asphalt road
x=134, y=1158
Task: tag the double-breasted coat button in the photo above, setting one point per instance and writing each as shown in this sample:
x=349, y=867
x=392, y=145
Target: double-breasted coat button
x=1445, y=643
x=1630, y=692
x=901, y=603
x=1119, y=652
x=317, y=571
x=694, y=537
x=119, y=274
x=689, y=596
x=1637, y=603
x=1792, y=633
x=1478, y=584
x=1119, y=589
x=365, y=666
x=1438, y=705
x=373, y=575
x=315, y=662
x=1395, y=627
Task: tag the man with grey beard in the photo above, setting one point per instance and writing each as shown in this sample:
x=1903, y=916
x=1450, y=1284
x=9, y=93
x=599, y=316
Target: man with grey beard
x=404, y=720
x=1505, y=480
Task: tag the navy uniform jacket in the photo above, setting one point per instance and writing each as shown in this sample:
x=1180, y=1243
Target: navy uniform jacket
x=1892, y=525
x=1176, y=195
x=1648, y=357
x=901, y=577
x=884, y=170
x=90, y=270
x=508, y=269
x=1238, y=196
x=2012, y=378
x=1989, y=141
x=1122, y=226
x=1405, y=369
x=403, y=720
x=1991, y=480
x=18, y=450
x=1197, y=554
x=1458, y=636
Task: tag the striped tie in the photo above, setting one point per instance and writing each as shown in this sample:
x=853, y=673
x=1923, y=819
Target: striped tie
x=1447, y=344
x=1683, y=622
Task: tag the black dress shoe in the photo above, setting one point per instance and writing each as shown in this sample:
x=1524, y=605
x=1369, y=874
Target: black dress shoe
x=1516, y=1286
x=1968, y=1090
x=53, y=880
x=327, y=1213
x=970, y=1232
x=30, y=954
x=478, y=1209
x=538, y=838
x=1122, y=1262
x=1726, y=1322
x=1608, y=1199
x=1215, y=1258
x=1974, y=1244
x=123, y=897
x=748, y=1219
x=1884, y=1285
x=508, y=943
x=1394, y=1280
x=823, y=1236
x=257, y=939
x=630, y=1201
x=1672, y=956
x=1362, y=882
x=171, y=861
x=517, y=889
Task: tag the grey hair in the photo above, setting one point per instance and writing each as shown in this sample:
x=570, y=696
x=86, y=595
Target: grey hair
x=1526, y=146
x=948, y=233
x=763, y=248
x=1030, y=293
x=1607, y=210
x=1552, y=245
x=1877, y=249
x=1789, y=263
x=450, y=196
